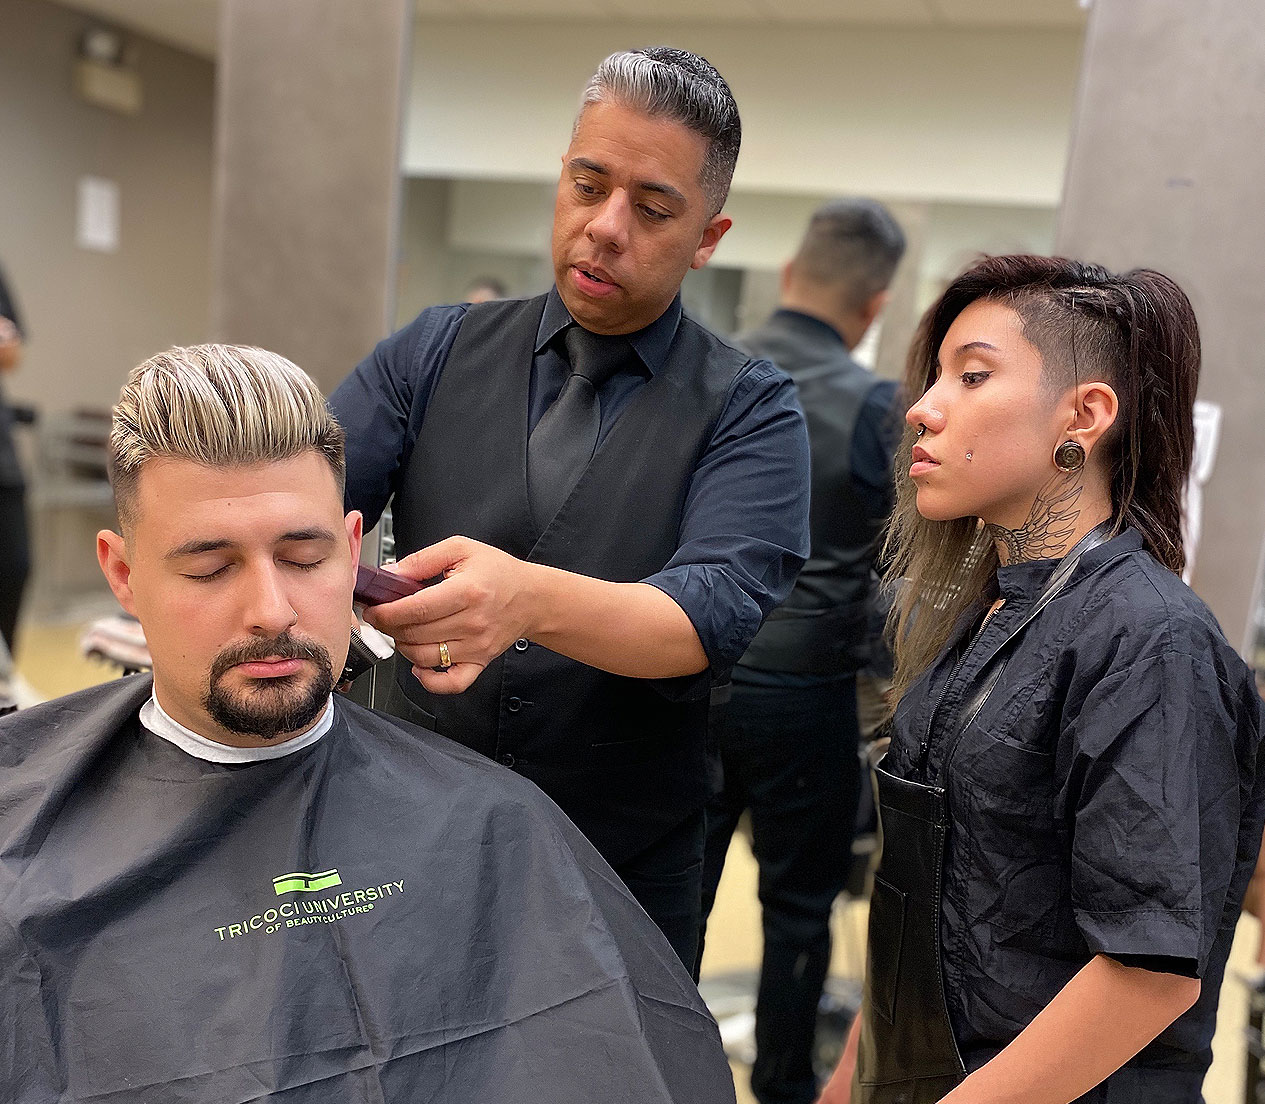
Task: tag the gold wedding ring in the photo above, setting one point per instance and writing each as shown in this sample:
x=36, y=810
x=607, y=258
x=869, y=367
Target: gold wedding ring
x=445, y=660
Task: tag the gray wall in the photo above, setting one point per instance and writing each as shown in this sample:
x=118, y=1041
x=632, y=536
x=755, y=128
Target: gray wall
x=433, y=270
x=1165, y=171
x=307, y=177
x=94, y=316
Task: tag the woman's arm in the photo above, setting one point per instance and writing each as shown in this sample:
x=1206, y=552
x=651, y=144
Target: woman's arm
x=838, y=1090
x=1098, y=1021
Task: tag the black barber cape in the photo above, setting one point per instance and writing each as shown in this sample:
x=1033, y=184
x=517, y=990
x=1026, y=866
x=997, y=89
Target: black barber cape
x=380, y=918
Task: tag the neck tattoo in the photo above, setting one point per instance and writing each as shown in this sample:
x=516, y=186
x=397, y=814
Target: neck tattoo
x=1051, y=523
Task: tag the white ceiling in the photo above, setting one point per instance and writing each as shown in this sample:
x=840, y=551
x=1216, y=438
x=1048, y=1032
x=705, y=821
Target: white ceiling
x=918, y=13
x=192, y=24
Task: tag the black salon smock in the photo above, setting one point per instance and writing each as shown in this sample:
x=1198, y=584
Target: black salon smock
x=1105, y=800
x=382, y=917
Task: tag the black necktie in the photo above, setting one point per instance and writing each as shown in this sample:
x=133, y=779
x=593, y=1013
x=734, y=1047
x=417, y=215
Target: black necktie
x=565, y=438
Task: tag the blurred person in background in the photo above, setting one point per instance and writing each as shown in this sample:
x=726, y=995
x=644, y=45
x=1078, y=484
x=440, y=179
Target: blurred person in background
x=615, y=496
x=223, y=883
x=1072, y=799
x=15, y=553
x=788, y=735
x=484, y=290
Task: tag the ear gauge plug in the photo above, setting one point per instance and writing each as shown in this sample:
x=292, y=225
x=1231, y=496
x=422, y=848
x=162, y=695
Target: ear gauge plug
x=1069, y=457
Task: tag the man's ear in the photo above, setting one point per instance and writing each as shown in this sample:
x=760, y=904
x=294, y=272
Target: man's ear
x=355, y=525
x=112, y=556
x=874, y=305
x=785, y=274
x=712, y=233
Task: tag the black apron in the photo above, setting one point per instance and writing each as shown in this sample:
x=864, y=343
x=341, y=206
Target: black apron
x=907, y=1053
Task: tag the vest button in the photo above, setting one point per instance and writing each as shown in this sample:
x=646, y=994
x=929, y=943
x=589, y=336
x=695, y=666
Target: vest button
x=514, y=704
x=520, y=645
x=506, y=760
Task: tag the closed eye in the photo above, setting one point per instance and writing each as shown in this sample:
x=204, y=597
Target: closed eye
x=208, y=577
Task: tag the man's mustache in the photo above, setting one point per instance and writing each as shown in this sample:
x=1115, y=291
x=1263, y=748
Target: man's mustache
x=283, y=646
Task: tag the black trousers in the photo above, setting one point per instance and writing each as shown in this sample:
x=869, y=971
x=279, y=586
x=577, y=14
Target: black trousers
x=666, y=878
x=15, y=560
x=789, y=754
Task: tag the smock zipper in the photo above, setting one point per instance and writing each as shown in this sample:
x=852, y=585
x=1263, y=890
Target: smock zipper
x=924, y=748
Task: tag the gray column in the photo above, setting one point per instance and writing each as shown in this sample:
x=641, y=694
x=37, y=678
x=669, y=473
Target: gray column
x=308, y=117
x=900, y=317
x=1166, y=171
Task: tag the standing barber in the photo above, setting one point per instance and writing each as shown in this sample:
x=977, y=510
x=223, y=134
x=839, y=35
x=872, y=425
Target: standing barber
x=788, y=735
x=616, y=496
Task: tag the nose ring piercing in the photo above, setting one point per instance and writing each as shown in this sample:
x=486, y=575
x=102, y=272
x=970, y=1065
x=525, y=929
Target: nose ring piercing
x=921, y=429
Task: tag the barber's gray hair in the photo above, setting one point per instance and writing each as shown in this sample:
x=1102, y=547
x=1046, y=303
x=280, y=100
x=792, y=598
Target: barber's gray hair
x=675, y=84
x=217, y=405
x=855, y=244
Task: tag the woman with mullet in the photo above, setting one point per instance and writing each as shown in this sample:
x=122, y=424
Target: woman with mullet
x=1071, y=801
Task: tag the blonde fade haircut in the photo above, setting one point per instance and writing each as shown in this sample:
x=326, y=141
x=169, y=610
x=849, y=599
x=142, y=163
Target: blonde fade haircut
x=219, y=406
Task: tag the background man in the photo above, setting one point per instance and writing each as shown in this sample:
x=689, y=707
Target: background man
x=788, y=734
x=222, y=884
x=629, y=491
x=15, y=554
x=484, y=290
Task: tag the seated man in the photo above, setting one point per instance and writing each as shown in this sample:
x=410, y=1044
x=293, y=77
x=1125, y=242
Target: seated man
x=222, y=884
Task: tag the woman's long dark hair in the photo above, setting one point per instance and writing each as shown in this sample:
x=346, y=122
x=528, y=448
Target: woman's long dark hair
x=1136, y=332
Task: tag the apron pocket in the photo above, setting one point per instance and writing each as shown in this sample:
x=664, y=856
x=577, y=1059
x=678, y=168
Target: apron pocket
x=887, y=927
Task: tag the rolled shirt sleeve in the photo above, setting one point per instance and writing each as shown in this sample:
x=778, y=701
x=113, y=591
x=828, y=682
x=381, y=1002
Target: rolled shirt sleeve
x=1153, y=798
x=744, y=532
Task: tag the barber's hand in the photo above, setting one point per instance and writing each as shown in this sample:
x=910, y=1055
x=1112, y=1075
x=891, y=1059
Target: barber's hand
x=477, y=611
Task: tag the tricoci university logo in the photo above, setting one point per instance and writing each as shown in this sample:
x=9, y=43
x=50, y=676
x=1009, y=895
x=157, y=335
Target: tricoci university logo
x=301, y=911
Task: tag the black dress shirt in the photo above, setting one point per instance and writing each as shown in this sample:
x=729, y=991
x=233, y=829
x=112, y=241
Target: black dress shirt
x=744, y=535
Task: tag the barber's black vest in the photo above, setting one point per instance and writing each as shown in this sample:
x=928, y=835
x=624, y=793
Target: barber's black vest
x=623, y=761
x=822, y=627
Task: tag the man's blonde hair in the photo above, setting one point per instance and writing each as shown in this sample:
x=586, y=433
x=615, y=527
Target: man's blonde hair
x=221, y=406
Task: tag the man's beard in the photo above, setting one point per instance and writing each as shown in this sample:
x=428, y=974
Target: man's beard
x=272, y=706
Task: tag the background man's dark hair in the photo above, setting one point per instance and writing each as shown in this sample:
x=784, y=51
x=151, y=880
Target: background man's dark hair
x=854, y=244
x=675, y=84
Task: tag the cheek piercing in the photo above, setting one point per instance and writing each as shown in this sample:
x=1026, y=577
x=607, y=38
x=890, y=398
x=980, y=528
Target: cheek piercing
x=970, y=455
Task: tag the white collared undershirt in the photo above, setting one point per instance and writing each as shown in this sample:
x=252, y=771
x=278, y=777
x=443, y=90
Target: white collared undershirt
x=160, y=723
